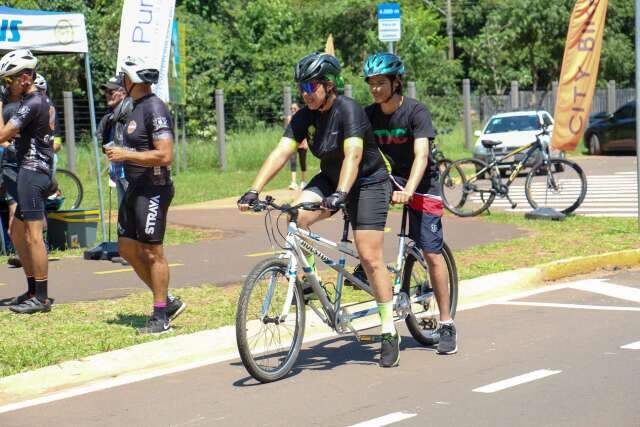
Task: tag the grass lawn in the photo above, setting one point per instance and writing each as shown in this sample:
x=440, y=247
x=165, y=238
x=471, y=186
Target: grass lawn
x=76, y=330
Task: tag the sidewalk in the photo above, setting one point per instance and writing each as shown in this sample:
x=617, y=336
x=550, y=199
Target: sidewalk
x=185, y=352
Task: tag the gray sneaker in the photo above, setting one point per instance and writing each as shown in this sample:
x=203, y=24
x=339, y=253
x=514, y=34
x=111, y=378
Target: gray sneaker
x=155, y=326
x=448, y=343
x=175, y=307
x=390, y=350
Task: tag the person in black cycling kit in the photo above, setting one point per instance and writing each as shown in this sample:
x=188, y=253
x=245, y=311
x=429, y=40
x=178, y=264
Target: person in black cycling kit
x=352, y=170
x=403, y=129
x=29, y=125
x=10, y=98
x=147, y=154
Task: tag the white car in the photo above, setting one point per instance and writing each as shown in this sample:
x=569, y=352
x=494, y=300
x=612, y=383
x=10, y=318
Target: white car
x=514, y=130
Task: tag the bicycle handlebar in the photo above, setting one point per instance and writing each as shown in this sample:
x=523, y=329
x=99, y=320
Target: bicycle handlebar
x=268, y=202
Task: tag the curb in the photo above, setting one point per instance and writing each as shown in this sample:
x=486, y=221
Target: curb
x=212, y=346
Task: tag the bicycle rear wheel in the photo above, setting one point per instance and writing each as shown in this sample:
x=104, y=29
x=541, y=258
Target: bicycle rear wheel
x=422, y=321
x=465, y=189
x=268, y=342
x=69, y=187
x=558, y=183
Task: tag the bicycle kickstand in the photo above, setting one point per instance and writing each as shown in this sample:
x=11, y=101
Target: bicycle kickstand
x=513, y=204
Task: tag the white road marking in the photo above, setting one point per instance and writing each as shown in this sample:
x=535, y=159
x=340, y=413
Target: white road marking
x=579, y=306
x=512, y=382
x=609, y=289
x=385, y=420
x=632, y=346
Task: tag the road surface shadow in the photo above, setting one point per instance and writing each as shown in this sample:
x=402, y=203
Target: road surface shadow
x=333, y=353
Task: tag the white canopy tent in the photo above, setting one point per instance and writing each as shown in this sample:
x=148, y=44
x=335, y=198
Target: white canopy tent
x=53, y=32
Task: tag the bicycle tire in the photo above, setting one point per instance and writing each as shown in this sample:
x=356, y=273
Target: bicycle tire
x=254, y=363
x=464, y=192
x=64, y=176
x=563, y=185
x=423, y=329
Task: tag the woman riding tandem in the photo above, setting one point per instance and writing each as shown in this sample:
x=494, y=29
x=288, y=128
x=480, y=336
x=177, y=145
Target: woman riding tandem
x=403, y=128
x=352, y=171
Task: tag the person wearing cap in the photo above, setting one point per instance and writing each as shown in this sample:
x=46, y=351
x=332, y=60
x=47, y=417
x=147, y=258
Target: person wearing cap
x=30, y=126
x=147, y=153
x=112, y=127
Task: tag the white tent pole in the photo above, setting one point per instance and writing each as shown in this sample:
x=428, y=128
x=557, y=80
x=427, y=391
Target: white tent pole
x=92, y=115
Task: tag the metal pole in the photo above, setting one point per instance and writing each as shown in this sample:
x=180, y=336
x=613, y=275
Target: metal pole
x=611, y=96
x=638, y=104
x=466, y=101
x=286, y=105
x=450, y=28
x=92, y=116
x=348, y=91
x=221, y=130
x=515, y=96
x=391, y=47
x=184, y=138
x=69, y=130
x=176, y=140
x=411, y=89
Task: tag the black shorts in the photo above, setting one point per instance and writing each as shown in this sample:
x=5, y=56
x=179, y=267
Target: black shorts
x=10, y=183
x=32, y=191
x=143, y=213
x=367, y=203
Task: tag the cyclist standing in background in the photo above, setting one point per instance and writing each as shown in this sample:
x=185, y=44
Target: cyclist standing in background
x=111, y=129
x=302, y=154
x=41, y=83
x=352, y=171
x=403, y=128
x=142, y=218
x=30, y=127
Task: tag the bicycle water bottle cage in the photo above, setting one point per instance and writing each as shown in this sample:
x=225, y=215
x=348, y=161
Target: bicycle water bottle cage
x=490, y=144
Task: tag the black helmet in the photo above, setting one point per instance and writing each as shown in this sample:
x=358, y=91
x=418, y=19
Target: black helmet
x=317, y=65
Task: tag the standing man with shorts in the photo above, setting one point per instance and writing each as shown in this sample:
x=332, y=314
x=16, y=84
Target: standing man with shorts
x=403, y=128
x=29, y=125
x=147, y=154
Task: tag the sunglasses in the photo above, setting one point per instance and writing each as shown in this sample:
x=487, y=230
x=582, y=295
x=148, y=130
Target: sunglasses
x=8, y=80
x=309, y=87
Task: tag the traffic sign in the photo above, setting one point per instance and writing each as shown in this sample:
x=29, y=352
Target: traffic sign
x=389, y=28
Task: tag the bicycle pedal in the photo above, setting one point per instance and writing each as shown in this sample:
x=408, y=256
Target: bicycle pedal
x=369, y=338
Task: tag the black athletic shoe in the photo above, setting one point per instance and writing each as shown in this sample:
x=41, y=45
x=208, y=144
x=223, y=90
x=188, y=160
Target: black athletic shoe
x=175, y=307
x=390, y=350
x=20, y=299
x=31, y=306
x=14, y=261
x=448, y=339
x=155, y=326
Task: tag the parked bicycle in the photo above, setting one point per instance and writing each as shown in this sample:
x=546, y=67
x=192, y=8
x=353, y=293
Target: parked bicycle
x=271, y=313
x=470, y=186
x=70, y=191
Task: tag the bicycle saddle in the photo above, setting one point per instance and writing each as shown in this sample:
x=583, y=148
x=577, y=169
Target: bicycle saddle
x=489, y=144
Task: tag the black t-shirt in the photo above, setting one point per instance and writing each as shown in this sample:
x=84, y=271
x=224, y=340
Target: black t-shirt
x=148, y=121
x=395, y=133
x=34, y=143
x=326, y=132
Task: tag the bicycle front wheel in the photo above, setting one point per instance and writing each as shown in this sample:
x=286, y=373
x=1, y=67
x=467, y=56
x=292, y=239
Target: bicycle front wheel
x=422, y=320
x=465, y=189
x=268, y=338
x=69, y=187
x=558, y=183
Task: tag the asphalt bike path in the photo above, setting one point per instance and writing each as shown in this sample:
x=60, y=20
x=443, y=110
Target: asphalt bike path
x=564, y=355
x=239, y=243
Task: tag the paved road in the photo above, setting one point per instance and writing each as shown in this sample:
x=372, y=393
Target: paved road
x=611, y=188
x=226, y=260
x=567, y=356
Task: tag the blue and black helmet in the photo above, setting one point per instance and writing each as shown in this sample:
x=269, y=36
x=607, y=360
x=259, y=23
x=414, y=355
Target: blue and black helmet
x=380, y=64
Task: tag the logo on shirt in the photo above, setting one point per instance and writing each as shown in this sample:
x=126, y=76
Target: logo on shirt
x=132, y=127
x=159, y=122
x=393, y=136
